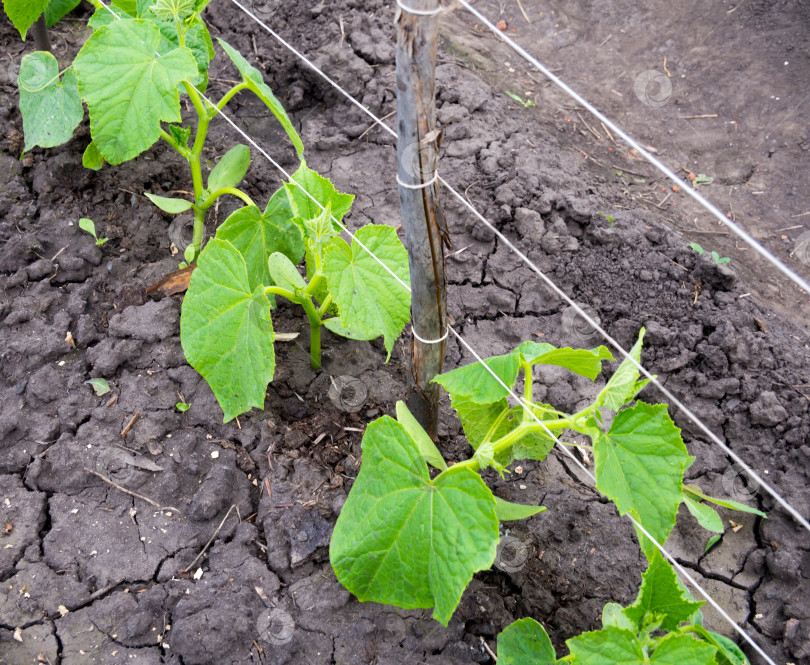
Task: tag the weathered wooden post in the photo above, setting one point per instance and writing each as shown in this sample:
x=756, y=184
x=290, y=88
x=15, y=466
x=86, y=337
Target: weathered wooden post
x=422, y=216
x=40, y=30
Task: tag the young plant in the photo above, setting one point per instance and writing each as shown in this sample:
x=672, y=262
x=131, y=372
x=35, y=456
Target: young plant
x=130, y=73
x=664, y=625
x=409, y=539
x=695, y=246
x=88, y=226
x=525, y=103
x=226, y=327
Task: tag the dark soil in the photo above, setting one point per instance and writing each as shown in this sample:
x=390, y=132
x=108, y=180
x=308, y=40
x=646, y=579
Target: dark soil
x=93, y=574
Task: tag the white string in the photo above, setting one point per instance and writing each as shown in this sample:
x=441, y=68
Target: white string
x=663, y=168
x=430, y=341
x=674, y=400
x=420, y=12
x=422, y=185
x=509, y=390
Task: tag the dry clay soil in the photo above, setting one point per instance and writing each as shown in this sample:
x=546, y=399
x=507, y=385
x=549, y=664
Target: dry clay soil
x=93, y=574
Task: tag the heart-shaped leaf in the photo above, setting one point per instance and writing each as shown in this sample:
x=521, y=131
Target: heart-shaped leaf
x=406, y=540
x=128, y=88
x=523, y=642
x=258, y=234
x=370, y=299
x=23, y=13
x=226, y=331
x=51, y=109
x=640, y=464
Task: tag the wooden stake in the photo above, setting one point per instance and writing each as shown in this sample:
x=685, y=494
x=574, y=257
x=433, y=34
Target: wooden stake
x=40, y=30
x=423, y=220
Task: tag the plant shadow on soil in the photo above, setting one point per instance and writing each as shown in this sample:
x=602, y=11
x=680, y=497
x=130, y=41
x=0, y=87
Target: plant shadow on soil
x=87, y=568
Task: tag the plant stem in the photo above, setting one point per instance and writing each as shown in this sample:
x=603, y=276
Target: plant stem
x=528, y=392
x=228, y=96
x=196, y=168
x=226, y=190
x=182, y=150
x=508, y=440
x=315, y=321
x=315, y=324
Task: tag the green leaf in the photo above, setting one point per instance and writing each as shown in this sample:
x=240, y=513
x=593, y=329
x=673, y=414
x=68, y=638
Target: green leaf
x=614, y=646
x=711, y=542
x=369, y=298
x=284, y=273
x=258, y=87
x=613, y=615
x=535, y=444
x=128, y=88
x=705, y=515
x=622, y=387
x=584, y=362
x=173, y=9
x=129, y=6
x=197, y=40
x=404, y=539
x=676, y=649
x=609, y=646
x=321, y=190
x=142, y=6
x=728, y=653
x=230, y=170
x=726, y=503
x=57, y=9
x=258, y=234
x=525, y=642
x=477, y=384
x=106, y=16
x=696, y=247
x=639, y=466
x=180, y=134
x=429, y=450
x=661, y=598
x=87, y=225
x=225, y=330
x=173, y=206
x=100, y=386
x=506, y=511
x=92, y=159
x=51, y=109
x=320, y=229
x=23, y=13
x=336, y=326
x=182, y=406
x=484, y=424
x=478, y=419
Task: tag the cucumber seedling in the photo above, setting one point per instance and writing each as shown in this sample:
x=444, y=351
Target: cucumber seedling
x=130, y=73
x=410, y=538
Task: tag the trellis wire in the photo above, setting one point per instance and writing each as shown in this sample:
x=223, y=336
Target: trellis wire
x=652, y=159
x=673, y=399
x=564, y=448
